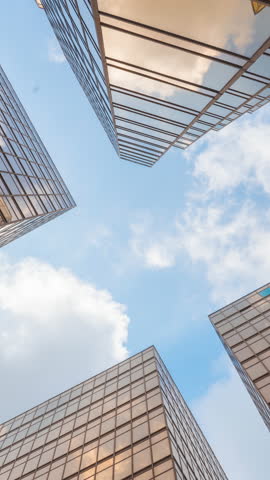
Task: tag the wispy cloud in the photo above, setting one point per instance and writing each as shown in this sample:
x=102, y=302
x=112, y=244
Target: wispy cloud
x=226, y=223
x=237, y=156
x=55, y=53
x=99, y=236
x=51, y=321
x=153, y=252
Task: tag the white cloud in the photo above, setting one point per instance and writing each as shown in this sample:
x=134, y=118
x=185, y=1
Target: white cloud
x=153, y=254
x=99, y=236
x=231, y=241
x=55, y=330
x=225, y=226
x=234, y=428
x=55, y=53
x=232, y=244
x=237, y=155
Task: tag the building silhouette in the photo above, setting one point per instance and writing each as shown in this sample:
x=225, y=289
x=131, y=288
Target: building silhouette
x=128, y=422
x=164, y=73
x=32, y=191
x=244, y=328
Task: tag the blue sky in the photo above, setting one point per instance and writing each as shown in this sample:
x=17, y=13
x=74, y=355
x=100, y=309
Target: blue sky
x=169, y=245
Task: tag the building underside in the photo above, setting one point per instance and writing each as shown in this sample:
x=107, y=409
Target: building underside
x=162, y=74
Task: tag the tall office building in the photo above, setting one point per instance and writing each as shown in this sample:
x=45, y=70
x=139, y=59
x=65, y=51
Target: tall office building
x=129, y=422
x=162, y=73
x=32, y=191
x=244, y=328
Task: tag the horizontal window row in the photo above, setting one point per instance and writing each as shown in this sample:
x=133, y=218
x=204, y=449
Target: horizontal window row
x=87, y=413
x=241, y=322
x=8, y=95
x=251, y=347
x=27, y=185
x=249, y=335
x=27, y=166
x=249, y=327
x=16, y=229
x=23, y=151
x=19, y=142
x=234, y=309
x=94, y=384
x=19, y=133
x=86, y=429
x=94, y=456
x=18, y=207
x=11, y=121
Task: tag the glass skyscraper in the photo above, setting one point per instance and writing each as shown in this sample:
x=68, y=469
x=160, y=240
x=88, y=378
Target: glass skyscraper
x=32, y=191
x=128, y=422
x=244, y=328
x=162, y=73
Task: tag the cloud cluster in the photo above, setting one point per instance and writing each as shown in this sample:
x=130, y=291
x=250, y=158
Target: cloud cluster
x=55, y=330
x=232, y=245
x=236, y=156
x=153, y=253
x=224, y=228
x=226, y=221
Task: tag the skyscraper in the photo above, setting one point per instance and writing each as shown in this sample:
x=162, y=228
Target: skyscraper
x=129, y=422
x=244, y=328
x=32, y=191
x=162, y=73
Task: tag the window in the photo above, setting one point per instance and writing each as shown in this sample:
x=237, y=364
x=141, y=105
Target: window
x=265, y=292
x=89, y=457
x=256, y=371
x=161, y=450
x=142, y=459
x=122, y=469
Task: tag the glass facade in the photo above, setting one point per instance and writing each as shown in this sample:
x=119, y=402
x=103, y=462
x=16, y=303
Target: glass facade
x=129, y=422
x=32, y=191
x=162, y=74
x=74, y=26
x=244, y=328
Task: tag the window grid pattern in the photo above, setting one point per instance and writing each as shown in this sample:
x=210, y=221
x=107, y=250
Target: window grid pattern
x=147, y=123
x=32, y=191
x=245, y=89
x=193, y=456
x=110, y=427
x=244, y=328
x=74, y=27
